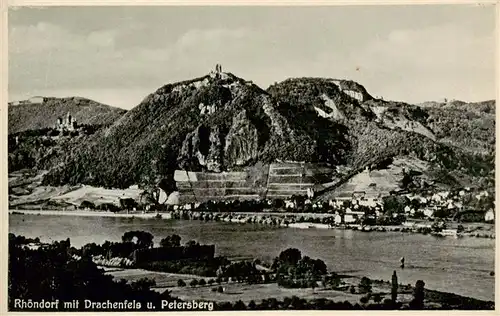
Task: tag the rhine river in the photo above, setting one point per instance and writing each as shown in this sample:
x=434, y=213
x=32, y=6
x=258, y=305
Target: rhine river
x=460, y=266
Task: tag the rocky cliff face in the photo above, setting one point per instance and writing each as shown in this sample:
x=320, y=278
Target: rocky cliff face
x=242, y=141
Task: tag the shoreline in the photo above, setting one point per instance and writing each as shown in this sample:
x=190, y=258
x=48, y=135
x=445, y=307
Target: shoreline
x=249, y=218
x=88, y=214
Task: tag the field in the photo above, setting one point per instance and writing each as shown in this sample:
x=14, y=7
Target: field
x=246, y=292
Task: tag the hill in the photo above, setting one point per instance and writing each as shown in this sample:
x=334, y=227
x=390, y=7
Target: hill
x=43, y=112
x=220, y=123
x=379, y=129
x=213, y=123
x=469, y=126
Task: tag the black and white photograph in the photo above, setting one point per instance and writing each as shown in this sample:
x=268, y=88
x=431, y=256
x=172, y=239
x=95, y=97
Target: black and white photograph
x=174, y=158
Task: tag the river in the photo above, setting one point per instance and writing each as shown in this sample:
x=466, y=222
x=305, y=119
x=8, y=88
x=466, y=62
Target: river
x=460, y=266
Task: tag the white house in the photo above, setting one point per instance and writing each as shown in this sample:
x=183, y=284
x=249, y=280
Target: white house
x=349, y=218
x=490, y=215
x=337, y=219
x=429, y=212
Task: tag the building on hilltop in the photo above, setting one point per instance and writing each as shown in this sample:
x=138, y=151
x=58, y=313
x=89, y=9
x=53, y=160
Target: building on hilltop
x=69, y=124
x=217, y=72
x=36, y=99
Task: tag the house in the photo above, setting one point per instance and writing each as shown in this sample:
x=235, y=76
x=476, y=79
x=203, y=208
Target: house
x=428, y=212
x=489, y=215
x=436, y=198
x=337, y=219
x=352, y=216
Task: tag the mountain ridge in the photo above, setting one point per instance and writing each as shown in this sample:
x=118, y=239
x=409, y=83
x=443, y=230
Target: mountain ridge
x=220, y=122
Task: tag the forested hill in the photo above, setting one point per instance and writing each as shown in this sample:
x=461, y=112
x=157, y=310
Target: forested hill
x=220, y=122
x=43, y=112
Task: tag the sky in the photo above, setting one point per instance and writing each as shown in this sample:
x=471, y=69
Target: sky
x=118, y=55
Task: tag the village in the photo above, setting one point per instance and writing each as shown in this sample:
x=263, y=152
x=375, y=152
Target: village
x=445, y=213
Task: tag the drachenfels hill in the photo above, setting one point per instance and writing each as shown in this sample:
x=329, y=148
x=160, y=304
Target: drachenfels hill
x=222, y=124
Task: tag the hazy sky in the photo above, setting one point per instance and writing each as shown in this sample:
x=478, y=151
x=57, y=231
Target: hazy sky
x=117, y=55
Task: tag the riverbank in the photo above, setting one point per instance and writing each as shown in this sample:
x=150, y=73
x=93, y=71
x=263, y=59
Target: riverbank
x=275, y=219
x=325, y=221
x=91, y=213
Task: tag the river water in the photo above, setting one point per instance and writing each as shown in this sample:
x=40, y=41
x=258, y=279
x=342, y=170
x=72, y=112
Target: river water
x=460, y=266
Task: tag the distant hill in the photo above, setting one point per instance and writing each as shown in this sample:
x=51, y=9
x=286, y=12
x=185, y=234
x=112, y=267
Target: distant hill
x=43, y=112
x=469, y=126
x=220, y=122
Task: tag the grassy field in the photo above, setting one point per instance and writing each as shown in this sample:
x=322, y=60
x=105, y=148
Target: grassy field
x=162, y=279
x=257, y=292
x=245, y=292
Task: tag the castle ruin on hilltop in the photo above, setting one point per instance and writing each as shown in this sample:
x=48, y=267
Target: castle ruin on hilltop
x=69, y=124
x=217, y=72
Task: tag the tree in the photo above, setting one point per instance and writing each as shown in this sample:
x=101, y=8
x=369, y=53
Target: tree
x=192, y=243
x=202, y=282
x=144, y=239
x=239, y=305
x=377, y=298
x=128, y=203
x=181, y=283
x=252, y=305
x=143, y=284
x=418, y=295
x=365, y=285
x=87, y=204
x=290, y=256
x=193, y=283
x=171, y=241
x=394, y=288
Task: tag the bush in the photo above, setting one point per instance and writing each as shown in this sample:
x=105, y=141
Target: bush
x=365, y=285
x=220, y=289
x=202, y=282
x=193, y=283
x=377, y=298
x=181, y=283
x=210, y=281
x=352, y=289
